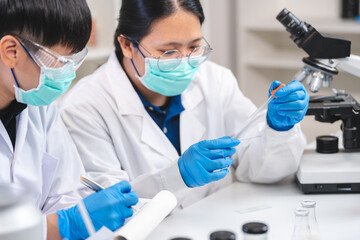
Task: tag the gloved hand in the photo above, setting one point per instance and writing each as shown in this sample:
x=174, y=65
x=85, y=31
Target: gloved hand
x=207, y=161
x=108, y=207
x=289, y=107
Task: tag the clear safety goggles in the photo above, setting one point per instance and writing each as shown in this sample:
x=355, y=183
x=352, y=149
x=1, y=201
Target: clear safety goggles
x=171, y=59
x=48, y=59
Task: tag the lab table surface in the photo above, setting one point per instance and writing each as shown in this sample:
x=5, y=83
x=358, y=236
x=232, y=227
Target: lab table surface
x=338, y=215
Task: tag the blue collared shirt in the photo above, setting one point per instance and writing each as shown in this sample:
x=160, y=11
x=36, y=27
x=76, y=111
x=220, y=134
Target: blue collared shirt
x=168, y=119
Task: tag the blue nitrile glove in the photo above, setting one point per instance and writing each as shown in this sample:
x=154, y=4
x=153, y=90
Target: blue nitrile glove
x=207, y=161
x=289, y=107
x=108, y=207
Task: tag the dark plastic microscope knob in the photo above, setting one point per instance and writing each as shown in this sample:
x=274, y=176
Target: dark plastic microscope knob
x=327, y=144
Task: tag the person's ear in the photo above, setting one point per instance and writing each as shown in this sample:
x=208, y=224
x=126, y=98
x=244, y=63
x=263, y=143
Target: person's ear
x=9, y=50
x=126, y=46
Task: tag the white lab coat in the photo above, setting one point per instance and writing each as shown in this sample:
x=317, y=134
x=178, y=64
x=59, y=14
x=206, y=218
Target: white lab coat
x=45, y=159
x=117, y=139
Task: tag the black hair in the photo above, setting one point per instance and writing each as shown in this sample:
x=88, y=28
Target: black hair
x=137, y=16
x=47, y=22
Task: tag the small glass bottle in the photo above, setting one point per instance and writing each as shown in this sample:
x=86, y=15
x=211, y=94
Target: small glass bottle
x=301, y=229
x=255, y=231
x=314, y=228
x=222, y=235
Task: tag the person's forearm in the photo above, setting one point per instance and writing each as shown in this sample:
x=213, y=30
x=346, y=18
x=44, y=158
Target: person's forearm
x=53, y=232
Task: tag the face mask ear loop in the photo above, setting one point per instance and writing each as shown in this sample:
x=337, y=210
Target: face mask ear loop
x=132, y=62
x=12, y=71
x=137, y=72
x=137, y=47
x=28, y=53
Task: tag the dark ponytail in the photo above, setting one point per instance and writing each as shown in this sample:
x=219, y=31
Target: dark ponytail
x=136, y=17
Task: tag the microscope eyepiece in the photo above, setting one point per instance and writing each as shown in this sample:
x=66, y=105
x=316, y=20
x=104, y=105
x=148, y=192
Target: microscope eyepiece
x=292, y=24
x=317, y=45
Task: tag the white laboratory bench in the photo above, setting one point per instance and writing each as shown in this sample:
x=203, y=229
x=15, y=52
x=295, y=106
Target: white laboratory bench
x=338, y=215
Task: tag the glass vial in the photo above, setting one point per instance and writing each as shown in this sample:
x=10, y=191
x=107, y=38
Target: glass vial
x=314, y=228
x=222, y=235
x=301, y=229
x=255, y=231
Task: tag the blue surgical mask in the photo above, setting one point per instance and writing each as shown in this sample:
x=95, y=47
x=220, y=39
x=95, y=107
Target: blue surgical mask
x=169, y=83
x=51, y=85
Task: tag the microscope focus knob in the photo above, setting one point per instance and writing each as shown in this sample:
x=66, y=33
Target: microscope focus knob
x=327, y=144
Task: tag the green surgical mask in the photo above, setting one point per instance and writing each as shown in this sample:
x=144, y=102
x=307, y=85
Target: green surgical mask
x=53, y=81
x=170, y=83
x=52, y=84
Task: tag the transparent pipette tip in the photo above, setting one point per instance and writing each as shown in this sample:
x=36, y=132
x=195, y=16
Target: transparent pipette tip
x=248, y=138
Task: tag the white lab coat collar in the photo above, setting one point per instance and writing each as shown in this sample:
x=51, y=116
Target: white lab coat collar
x=189, y=122
x=192, y=96
x=129, y=103
x=5, y=136
x=22, y=120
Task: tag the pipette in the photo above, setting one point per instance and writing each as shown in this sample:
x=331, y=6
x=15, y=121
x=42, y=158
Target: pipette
x=257, y=111
x=248, y=138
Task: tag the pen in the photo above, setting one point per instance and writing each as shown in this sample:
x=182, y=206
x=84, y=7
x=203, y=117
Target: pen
x=90, y=183
x=93, y=185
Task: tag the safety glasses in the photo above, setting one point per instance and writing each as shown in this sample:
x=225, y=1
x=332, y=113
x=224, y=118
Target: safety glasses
x=171, y=59
x=46, y=58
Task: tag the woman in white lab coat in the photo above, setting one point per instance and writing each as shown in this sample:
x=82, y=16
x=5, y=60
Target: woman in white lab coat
x=143, y=115
x=36, y=150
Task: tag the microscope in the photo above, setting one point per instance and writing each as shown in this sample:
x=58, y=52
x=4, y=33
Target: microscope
x=327, y=169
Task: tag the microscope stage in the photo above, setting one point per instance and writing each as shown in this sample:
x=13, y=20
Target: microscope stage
x=329, y=173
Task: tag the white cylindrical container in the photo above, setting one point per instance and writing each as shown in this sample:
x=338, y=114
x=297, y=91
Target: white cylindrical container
x=139, y=227
x=19, y=217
